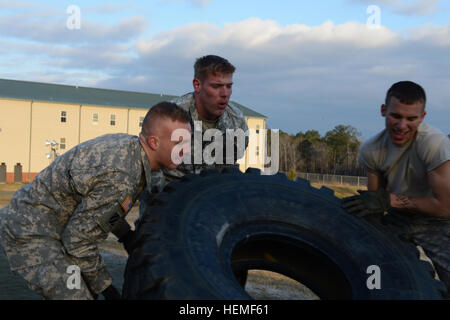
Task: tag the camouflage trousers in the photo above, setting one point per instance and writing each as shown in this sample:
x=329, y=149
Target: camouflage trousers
x=50, y=278
x=432, y=234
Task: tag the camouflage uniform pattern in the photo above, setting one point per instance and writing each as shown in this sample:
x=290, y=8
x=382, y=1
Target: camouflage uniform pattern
x=53, y=222
x=232, y=118
x=432, y=234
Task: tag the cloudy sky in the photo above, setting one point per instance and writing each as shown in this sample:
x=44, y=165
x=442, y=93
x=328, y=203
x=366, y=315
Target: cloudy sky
x=304, y=64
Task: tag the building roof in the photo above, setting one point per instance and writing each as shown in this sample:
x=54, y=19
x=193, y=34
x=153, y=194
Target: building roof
x=38, y=91
x=248, y=112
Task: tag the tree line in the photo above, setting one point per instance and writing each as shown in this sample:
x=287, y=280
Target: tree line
x=334, y=153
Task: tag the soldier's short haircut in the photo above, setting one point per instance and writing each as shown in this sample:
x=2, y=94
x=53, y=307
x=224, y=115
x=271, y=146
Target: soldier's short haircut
x=212, y=65
x=406, y=92
x=163, y=110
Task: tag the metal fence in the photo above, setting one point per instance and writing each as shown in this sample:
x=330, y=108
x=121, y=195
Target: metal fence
x=334, y=179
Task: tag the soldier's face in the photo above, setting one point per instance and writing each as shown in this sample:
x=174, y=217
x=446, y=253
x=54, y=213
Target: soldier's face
x=402, y=120
x=174, y=143
x=213, y=94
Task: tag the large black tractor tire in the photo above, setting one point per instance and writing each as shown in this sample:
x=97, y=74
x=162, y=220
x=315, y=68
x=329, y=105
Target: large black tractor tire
x=201, y=231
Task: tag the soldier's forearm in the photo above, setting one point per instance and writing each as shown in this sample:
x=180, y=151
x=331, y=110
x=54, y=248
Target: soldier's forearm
x=429, y=206
x=92, y=266
x=98, y=281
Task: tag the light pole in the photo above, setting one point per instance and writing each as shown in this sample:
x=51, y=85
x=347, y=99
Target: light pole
x=53, y=147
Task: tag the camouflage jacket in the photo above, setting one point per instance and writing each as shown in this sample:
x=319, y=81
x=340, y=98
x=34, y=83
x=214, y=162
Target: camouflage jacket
x=232, y=119
x=66, y=201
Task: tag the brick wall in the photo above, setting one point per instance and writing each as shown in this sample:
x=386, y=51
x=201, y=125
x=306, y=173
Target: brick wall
x=25, y=176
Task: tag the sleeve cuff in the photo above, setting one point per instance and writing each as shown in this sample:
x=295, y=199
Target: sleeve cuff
x=98, y=281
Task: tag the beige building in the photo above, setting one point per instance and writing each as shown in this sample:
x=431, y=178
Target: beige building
x=39, y=121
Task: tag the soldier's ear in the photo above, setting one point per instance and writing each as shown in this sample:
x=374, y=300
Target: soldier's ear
x=153, y=142
x=422, y=117
x=196, y=84
x=383, y=110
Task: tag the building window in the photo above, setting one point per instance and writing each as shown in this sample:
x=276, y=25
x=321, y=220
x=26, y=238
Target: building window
x=141, y=121
x=63, y=116
x=95, y=118
x=257, y=129
x=257, y=151
x=62, y=143
x=113, y=120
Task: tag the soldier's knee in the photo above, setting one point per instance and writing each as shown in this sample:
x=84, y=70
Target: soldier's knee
x=56, y=280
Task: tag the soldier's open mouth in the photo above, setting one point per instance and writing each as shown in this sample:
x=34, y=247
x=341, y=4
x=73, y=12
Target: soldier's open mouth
x=399, y=136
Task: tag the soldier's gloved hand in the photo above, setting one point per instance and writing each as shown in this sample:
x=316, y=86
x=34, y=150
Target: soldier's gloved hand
x=111, y=293
x=367, y=203
x=126, y=240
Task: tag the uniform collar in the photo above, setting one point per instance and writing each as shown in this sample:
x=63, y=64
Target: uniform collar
x=194, y=113
x=147, y=170
x=422, y=128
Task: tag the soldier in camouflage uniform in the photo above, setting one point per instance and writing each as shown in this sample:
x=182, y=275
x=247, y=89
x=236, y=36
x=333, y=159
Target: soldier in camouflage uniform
x=57, y=220
x=409, y=176
x=209, y=107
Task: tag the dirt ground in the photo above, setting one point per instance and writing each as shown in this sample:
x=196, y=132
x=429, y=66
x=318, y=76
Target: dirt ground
x=341, y=191
x=260, y=284
x=6, y=192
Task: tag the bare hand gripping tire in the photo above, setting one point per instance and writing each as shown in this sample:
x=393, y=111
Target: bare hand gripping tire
x=203, y=230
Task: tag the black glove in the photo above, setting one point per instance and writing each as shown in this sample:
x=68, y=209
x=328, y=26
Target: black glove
x=367, y=203
x=111, y=293
x=127, y=241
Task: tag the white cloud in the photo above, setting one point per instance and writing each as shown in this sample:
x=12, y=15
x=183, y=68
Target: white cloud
x=438, y=36
x=51, y=26
x=14, y=5
x=302, y=77
x=264, y=46
x=256, y=35
x=407, y=7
